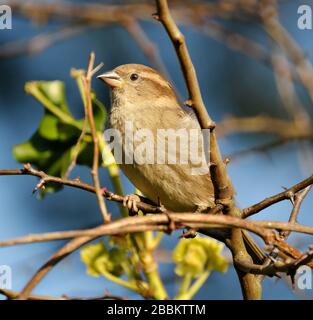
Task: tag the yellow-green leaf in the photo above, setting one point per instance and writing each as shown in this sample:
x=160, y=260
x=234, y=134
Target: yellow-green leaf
x=194, y=256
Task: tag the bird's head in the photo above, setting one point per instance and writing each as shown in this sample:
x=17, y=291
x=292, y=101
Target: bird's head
x=136, y=81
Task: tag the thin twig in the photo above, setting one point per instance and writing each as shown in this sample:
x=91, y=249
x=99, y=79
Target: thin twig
x=287, y=194
x=39, y=42
x=281, y=36
x=297, y=202
x=147, y=46
x=95, y=166
x=76, y=183
x=11, y=295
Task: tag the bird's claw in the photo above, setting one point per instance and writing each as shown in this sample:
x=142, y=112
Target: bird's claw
x=130, y=201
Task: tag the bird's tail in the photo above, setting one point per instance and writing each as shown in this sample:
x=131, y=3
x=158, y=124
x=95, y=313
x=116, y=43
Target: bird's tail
x=253, y=249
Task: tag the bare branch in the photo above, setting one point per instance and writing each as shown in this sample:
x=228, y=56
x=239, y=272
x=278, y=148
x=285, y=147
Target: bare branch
x=297, y=202
x=56, y=258
x=281, y=36
x=289, y=193
x=39, y=42
x=76, y=183
x=170, y=220
x=88, y=108
x=11, y=295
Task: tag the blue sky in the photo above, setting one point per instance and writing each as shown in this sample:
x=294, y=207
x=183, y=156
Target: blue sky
x=231, y=83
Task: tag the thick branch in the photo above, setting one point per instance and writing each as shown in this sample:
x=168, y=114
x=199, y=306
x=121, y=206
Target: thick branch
x=168, y=221
x=224, y=191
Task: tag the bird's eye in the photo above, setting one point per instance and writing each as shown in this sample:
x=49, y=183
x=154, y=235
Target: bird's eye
x=134, y=76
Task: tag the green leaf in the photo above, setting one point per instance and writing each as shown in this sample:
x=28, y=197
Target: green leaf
x=55, y=92
x=49, y=156
x=51, y=128
x=98, y=108
x=33, y=150
x=48, y=127
x=52, y=147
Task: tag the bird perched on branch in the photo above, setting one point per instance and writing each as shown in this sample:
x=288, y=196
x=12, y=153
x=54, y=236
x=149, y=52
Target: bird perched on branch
x=143, y=101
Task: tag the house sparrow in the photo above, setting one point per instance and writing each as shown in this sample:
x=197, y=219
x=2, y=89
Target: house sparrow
x=142, y=97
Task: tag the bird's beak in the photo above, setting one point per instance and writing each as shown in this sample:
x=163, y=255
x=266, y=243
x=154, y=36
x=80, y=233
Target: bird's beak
x=111, y=78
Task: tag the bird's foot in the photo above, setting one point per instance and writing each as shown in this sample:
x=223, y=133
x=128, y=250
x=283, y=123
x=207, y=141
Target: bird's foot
x=130, y=201
x=192, y=233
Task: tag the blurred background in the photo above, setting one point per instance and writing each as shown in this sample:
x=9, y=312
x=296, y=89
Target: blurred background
x=248, y=80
